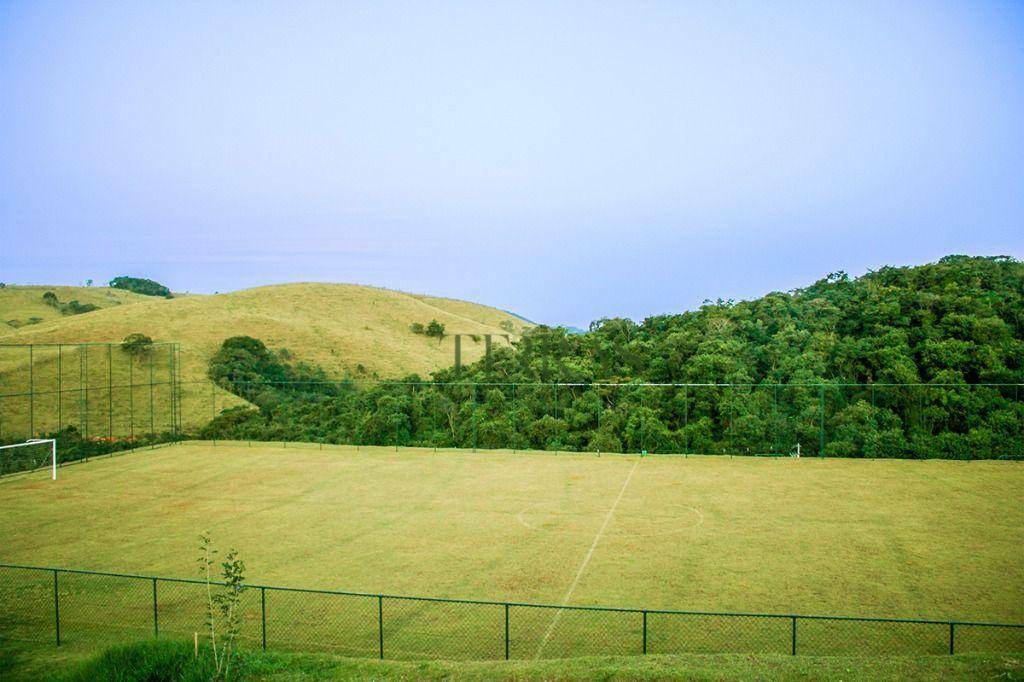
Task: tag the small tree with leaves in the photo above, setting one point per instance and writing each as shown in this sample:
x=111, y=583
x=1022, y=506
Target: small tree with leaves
x=137, y=344
x=222, y=603
x=435, y=329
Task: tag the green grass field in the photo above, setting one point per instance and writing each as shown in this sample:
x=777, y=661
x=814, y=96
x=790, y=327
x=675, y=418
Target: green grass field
x=928, y=539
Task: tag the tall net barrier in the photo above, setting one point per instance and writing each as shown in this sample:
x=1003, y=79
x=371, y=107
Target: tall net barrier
x=84, y=608
x=90, y=394
x=29, y=456
x=962, y=421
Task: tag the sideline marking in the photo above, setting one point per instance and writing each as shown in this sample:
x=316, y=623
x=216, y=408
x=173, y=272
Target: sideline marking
x=586, y=560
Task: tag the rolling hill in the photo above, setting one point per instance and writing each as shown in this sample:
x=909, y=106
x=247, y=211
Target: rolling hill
x=23, y=306
x=348, y=330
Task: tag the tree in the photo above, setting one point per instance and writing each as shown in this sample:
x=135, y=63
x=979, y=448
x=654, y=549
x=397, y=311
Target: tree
x=137, y=344
x=50, y=299
x=435, y=329
x=140, y=285
x=222, y=605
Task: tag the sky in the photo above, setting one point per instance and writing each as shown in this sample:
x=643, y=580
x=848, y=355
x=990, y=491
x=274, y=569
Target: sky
x=565, y=161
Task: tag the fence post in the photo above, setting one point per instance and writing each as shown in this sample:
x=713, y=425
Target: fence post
x=56, y=607
x=263, y=614
x=506, y=632
x=821, y=420
x=380, y=624
x=156, y=623
x=60, y=390
x=951, y=638
x=110, y=391
x=645, y=632
x=31, y=395
x=793, y=636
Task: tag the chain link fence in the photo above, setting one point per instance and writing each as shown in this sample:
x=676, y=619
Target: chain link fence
x=63, y=606
x=954, y=421
x=110, y=394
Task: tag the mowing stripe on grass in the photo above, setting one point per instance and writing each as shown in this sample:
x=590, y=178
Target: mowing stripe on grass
x=586, y=560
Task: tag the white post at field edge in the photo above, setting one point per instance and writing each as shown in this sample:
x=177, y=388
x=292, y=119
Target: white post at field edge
x=53, y=453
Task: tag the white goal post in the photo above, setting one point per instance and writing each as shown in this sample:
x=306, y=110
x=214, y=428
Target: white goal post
x=38, y=442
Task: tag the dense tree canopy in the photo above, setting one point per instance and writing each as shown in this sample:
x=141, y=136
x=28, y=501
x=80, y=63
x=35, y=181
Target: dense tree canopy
x=902, y=362
x=140, y=285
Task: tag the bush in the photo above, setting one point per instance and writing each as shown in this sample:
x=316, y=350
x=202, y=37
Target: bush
x=140, y=285
x=435, y=329
x=136, y=344
x=76, y=308
x=50, y=299
x=417, y=328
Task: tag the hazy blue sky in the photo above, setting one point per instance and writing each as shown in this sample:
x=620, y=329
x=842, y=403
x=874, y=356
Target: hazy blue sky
x=563, y=160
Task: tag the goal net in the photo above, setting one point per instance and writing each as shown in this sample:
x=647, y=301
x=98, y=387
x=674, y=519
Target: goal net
x=28, y=456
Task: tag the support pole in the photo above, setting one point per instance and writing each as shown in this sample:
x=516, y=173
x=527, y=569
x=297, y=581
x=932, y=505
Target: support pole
x=263, y=614
x=821, y=420
x=156, y=622
x=56, y=607
x=506, y=632
x=110, y=390
x=60, y=390
x=31, y=395
x=380, y=624
x=645, y=633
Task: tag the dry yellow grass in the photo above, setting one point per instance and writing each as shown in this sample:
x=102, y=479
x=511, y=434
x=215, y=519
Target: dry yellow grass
x=349, y=330
x=21, y=304
x=336, y=326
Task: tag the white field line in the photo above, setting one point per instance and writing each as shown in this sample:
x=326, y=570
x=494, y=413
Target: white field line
x=586, y=560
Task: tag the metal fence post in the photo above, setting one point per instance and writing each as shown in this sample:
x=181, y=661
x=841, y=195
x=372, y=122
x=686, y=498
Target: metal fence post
x=156, y=623
x=821, y=420
x=60, y=390
x=506, y=632
x=56, y=607
x=951, y=638
x=263, y=614
x=645, y=632
x=31, y=395
x=110, y=391
x=793, y=636
x=380, y=624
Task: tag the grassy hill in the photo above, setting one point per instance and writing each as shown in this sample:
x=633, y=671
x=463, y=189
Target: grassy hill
x=349, y=330
x=22, y=306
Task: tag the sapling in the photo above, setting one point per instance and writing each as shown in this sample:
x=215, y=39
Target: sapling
x=222, y=605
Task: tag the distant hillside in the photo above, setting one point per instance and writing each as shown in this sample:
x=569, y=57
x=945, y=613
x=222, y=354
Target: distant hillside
x=348, y=330
x=340, y=327
x=23, y=306
x=923, y=337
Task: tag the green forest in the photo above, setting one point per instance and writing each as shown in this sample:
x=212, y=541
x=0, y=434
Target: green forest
x=913, y=362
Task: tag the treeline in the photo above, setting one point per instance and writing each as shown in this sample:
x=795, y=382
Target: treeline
x=902, y=362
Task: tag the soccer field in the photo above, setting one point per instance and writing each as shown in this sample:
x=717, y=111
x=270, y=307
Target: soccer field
x=932, y=539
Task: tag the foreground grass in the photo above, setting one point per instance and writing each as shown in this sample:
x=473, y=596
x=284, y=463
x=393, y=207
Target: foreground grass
x=932, y=539
x=165, y=660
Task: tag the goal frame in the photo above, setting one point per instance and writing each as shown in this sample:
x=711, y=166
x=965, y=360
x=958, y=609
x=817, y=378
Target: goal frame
x=37, y=441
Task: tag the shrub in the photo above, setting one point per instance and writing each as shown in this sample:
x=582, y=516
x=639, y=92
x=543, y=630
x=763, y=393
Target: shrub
x=417, y=328
x=137, y=344
x=435, y=329
x=50, y=299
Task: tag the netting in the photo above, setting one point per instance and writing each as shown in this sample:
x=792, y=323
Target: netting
x=99, y=609
x=26, y=456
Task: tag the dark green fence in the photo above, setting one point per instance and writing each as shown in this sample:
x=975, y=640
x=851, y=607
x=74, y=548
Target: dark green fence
x=104, y=393
x=955, y=421
x=63, y=606
x=101, y=391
